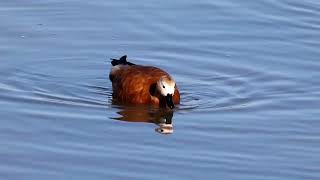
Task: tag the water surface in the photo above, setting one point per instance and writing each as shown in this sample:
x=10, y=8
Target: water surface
x=249, y=75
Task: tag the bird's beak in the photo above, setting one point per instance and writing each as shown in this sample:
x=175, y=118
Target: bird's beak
x=169, y=101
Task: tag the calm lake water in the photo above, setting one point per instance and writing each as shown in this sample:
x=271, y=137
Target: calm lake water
x=248, y=71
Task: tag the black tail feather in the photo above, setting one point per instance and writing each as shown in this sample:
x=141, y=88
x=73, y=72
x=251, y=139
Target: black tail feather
x=122, y=60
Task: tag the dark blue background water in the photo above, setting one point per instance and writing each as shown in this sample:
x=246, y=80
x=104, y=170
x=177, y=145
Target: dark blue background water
x=249, y=74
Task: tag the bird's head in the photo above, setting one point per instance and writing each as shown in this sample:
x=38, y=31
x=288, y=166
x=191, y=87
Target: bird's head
x=166, y=87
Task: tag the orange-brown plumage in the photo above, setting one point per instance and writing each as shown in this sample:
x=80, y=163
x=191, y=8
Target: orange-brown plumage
x=137, y=84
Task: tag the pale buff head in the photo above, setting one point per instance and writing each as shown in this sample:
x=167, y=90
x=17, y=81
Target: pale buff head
x=166, y=85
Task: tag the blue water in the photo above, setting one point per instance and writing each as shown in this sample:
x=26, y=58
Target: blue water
x=248, y=71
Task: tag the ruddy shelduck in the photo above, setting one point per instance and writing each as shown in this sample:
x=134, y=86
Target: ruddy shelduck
x=138, y=84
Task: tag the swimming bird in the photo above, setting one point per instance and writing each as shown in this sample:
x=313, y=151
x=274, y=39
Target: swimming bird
x=139, y=84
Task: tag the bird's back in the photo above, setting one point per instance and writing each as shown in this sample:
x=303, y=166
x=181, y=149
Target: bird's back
x=134, y=83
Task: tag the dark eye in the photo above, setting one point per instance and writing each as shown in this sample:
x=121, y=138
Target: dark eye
x=163, y=86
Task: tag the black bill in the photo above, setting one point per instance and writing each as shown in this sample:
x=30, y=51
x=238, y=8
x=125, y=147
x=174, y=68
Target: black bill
x=169, y=101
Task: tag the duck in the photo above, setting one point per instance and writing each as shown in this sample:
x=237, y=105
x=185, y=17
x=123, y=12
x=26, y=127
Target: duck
x=142, y=85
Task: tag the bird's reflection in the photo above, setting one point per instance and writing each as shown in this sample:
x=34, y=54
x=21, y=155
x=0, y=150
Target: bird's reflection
x=159, y=116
